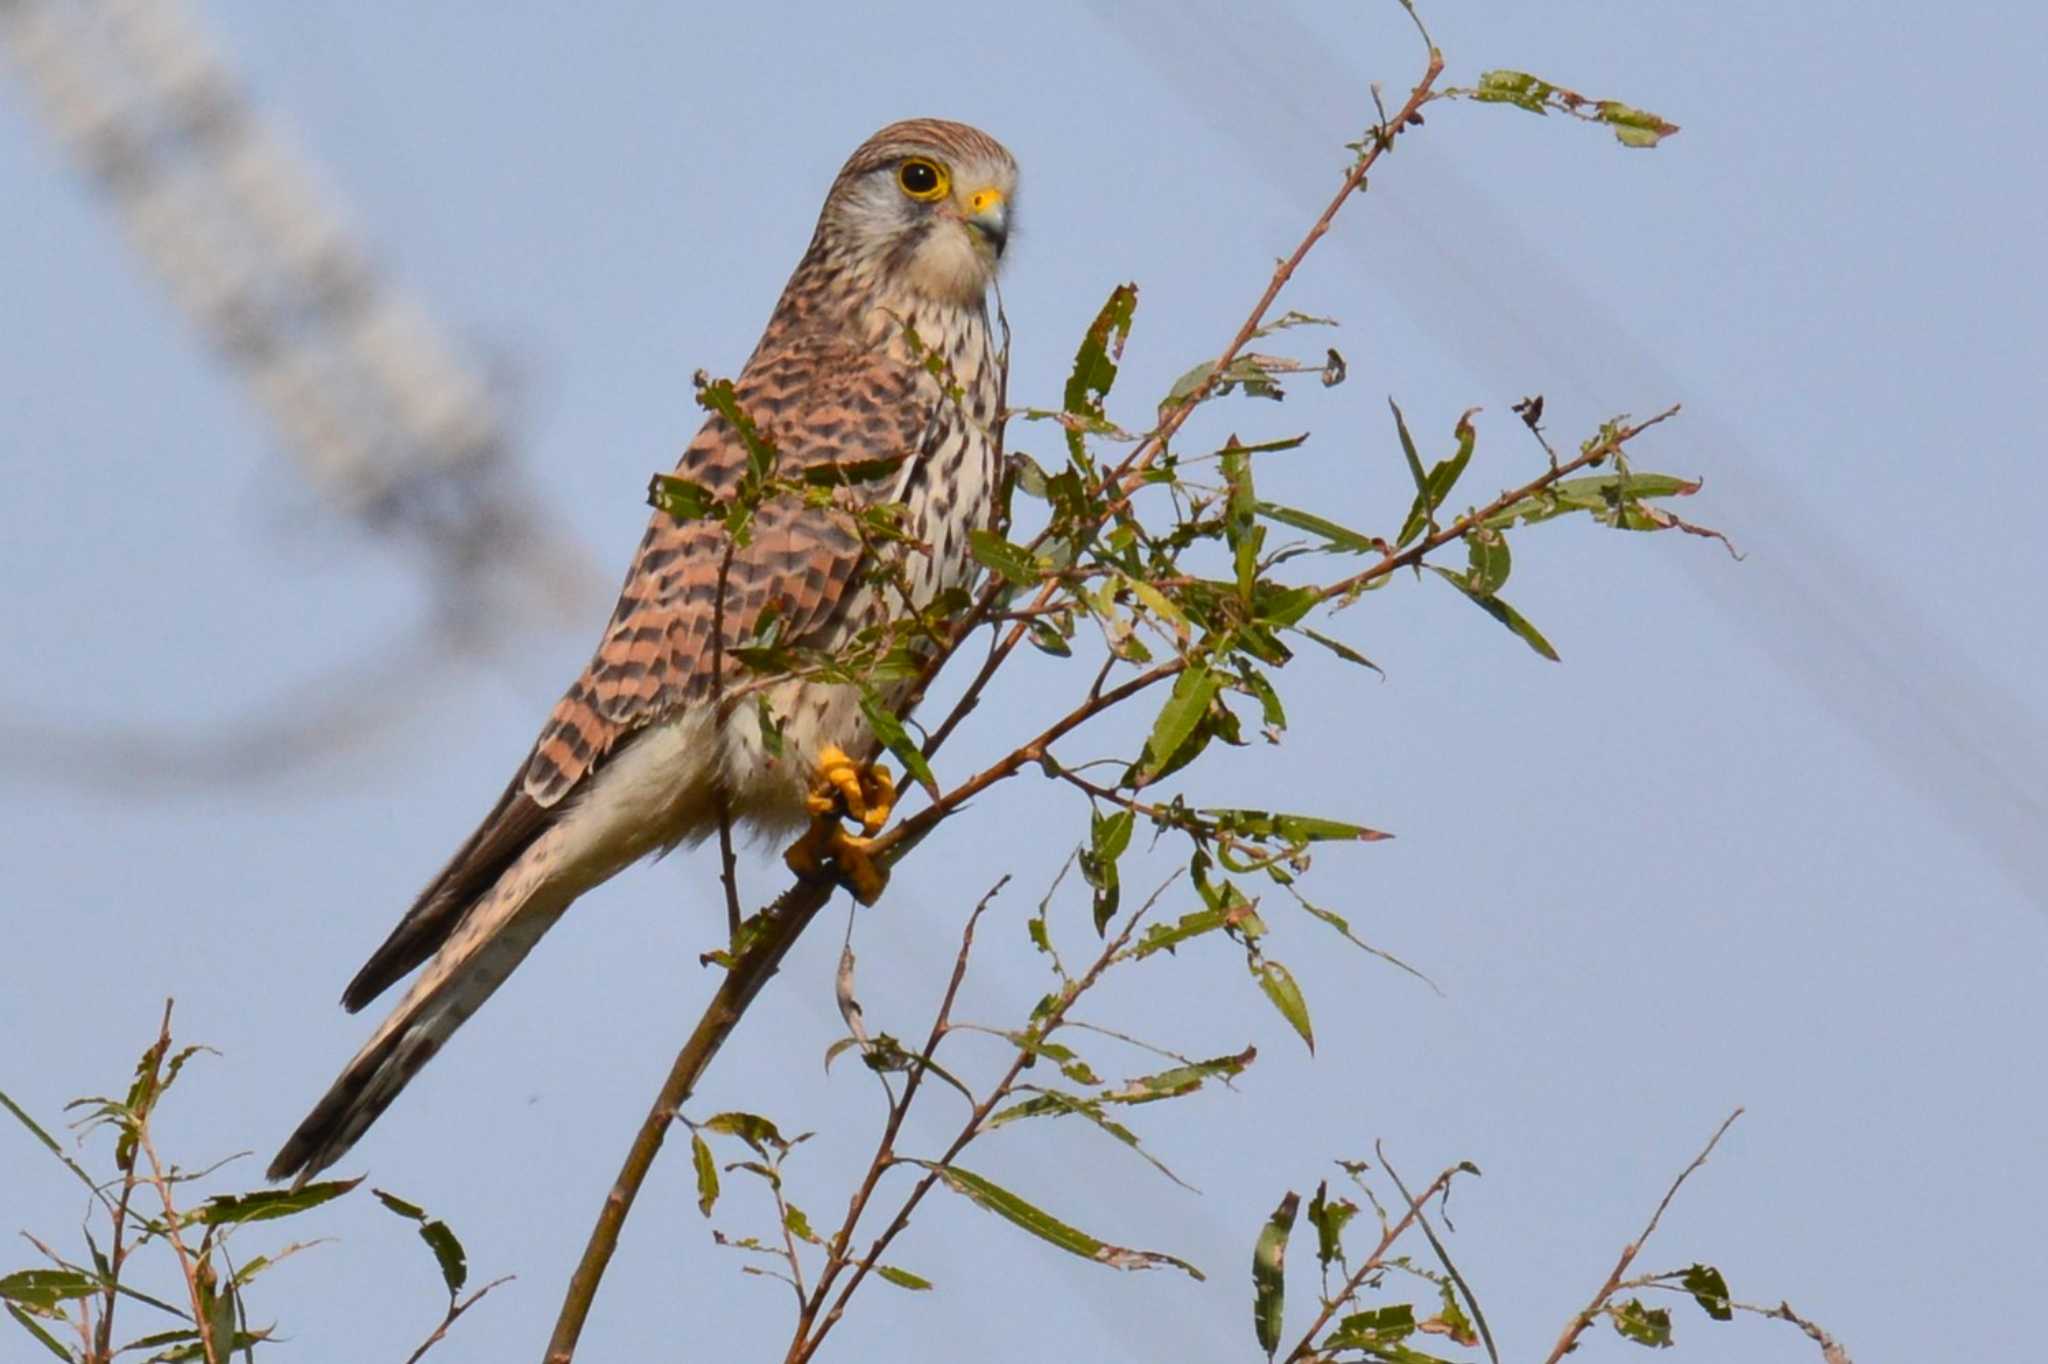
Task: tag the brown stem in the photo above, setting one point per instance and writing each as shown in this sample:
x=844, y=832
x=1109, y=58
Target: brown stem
x=1570, y=1339
x=1593, y=454
x=786, y=920
x=802, y=1350
x=1305, y=1349
x=885, y=1149
x=802, y=900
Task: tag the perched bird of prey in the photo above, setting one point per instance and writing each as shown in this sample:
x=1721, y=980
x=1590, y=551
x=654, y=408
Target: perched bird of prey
x=880, y=349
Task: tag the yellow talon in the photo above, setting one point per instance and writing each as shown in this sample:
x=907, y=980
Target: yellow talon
x=845, y=789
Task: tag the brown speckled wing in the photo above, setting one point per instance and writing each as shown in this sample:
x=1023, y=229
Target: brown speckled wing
x=657, y=657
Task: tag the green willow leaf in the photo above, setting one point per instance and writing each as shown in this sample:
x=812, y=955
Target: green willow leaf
x=265, y=1204
x=1193, y=690
x=890, y=730
x=43, y=1289
x=1378, y=1331
x=1710, y=1291
x=903, y=1278
x=440, y=1239
x=1649, y=1326
x=1278, y=984
x=1487, y=561
x=35, y=1130
x=1329, y=1220
x=1502, y=612
x=1606, y=497
x=751, y=1128
x=1269, y=1273
x=28, y=1324
x=707, y=1168
x=683, y=499
x=1343, y=650
x=1180, y=1080
x=1095, y=365
x=1434, y=490
x=1012, y=563
x=1000, y=1201
x=1166, y=937
x=1341, y=538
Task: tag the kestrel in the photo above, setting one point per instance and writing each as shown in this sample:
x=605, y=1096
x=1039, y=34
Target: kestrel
x=879, y=350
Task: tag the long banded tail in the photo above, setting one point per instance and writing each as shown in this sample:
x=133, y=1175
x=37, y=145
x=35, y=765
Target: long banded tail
x=484, y=948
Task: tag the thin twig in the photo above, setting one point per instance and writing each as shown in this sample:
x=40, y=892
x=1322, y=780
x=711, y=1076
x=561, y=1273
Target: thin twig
x=1585, y=1318
x=1443, y=1256
x=885, y=1149
x=455, y=1310
x=786, y=920
x=801, y=1350
x=1305, y=1348
x=797, y=905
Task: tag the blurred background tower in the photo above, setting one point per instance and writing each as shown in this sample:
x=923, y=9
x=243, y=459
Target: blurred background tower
x=391, y=425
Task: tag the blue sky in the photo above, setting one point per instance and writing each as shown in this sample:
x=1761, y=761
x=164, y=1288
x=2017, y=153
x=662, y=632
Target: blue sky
x=1771, y=835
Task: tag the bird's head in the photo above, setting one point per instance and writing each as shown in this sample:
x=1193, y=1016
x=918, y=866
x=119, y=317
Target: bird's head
x=925, y=204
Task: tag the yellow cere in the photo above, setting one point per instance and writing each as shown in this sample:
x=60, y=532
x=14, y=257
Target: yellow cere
x=982, y=200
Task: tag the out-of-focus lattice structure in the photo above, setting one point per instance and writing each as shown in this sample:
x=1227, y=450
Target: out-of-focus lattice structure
x=393, y=428
x=380, y=412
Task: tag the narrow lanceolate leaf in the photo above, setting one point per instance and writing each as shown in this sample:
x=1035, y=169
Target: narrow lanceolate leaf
x=895, y=738
x=1269, y=1273
x=1608, y=498
x=903, y=1278
x=1171, y=1084
x=1193, y=690
x=28, y=1324
x=1293, y=828
x=1048, y=1228
x=1109, y=835
x=1054, y=1103
x=21, y=1116
x=1414, y=465
x=1095, y=365
x=1434, y=489
x=1502, y=612
x=1340, y=538
x=440, y=1238
x=42, y=1289
x=1012, y=563
x=1278, y=984
x=707, y=1168
x=1343, y=650
x=265, y=1204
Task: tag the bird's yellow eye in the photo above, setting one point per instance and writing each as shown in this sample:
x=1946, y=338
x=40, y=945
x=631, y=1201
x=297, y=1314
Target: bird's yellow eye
x=921, y=179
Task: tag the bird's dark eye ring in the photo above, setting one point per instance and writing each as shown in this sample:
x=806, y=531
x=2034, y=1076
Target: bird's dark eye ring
x=921, y=179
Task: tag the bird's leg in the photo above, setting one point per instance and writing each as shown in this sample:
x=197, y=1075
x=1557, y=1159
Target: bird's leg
x=845, y=789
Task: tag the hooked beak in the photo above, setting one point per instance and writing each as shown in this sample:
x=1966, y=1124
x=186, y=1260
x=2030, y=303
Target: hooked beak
x=990, y=216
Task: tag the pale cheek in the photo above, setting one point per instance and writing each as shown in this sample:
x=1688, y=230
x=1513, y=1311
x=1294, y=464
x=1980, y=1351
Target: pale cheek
x=948, y=266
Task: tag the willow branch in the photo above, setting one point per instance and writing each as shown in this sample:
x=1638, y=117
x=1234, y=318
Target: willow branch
x=793, y=911
x=783, y=922
x=1570, y=1339
x=1374, y=1262
x=801, y=1350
